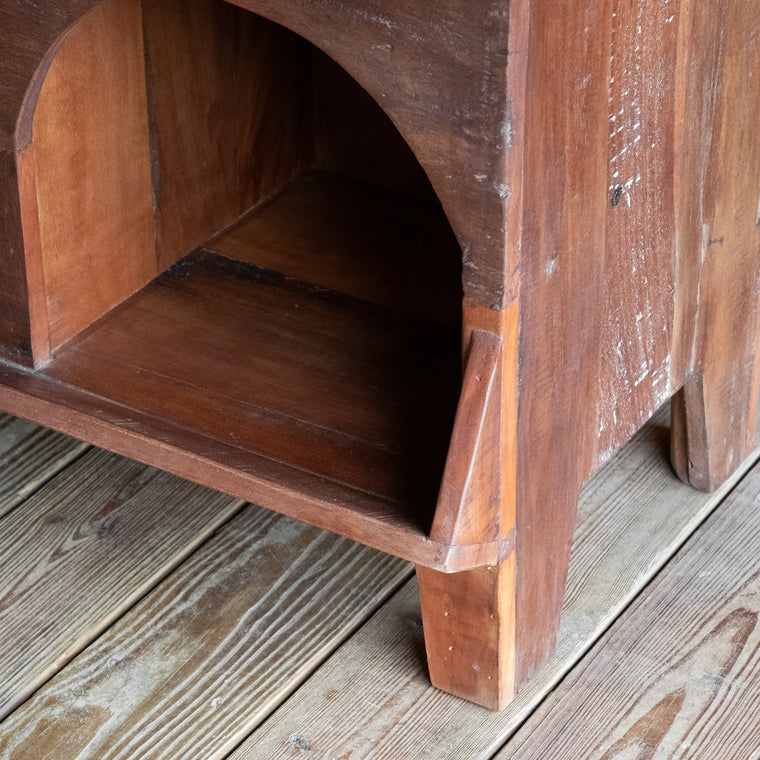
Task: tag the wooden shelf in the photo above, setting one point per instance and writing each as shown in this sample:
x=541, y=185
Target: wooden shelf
x=314, y=397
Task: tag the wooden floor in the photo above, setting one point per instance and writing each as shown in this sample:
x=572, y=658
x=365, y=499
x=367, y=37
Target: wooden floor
x=142, y=616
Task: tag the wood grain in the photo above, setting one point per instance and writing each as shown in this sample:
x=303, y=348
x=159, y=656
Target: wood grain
x=716, y=408
x=633, y=515
x=445, y=90
x=92, y=171
x=469, y=624
x=81, y=551
x=345, y=235
x=230, y=113
x=611, y=276
x=30, y=37
x=369, y=519
x=29, y=457
x=352, y=394
x=353, y=136
x=211, y=650
x=677, y=675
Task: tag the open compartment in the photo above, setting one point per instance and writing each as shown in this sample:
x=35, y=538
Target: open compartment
x=239, y=256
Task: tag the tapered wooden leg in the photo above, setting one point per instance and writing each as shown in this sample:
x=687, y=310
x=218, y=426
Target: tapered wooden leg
x=469, y=626
x=713, y=415
x=488, y=631
x=713, y=424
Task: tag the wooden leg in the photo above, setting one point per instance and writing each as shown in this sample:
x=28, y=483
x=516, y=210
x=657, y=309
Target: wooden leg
x=469, y=626
x=713, y=415
x=713, y=424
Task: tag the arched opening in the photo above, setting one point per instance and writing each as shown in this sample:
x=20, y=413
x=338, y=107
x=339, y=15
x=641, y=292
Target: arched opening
x=237, y=242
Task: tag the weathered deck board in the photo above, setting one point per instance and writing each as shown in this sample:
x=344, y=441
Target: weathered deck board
x=632, y=517
x=204, y=657
x=29, y=456
x=679, y=673
x=83, y=549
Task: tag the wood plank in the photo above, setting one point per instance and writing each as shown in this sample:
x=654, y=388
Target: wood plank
x=678, y=674
x=29, y=456
x=84, y=549
x=230, y=113
x=333, y=506
x=389, y=248
x=632, y=516
x=92, y=170
x=207, y=655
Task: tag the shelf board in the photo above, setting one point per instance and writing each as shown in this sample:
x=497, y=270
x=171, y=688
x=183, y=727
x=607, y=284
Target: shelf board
x=379, y=245
x=334, y=408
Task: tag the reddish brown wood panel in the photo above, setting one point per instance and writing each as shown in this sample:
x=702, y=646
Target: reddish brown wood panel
x=15, y=327
x=720, y=156
x=469, y=500
x=469, y=621
x=92, y=171
x=356, y=395
x=636, y=372
x=230, y=113
x=562, y=281
x=28, y=37
x=613, y=227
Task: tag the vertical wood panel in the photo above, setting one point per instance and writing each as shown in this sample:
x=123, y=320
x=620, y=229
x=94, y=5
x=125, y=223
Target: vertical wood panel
x=92, y=170
x=230, y=111
x=15, y=328
x=636, y=374
x=562, y=279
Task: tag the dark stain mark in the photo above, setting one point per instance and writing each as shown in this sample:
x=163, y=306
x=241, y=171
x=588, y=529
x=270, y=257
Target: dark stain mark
x=719, y=241
x=647, y=734
x=299, y=743
x=617, y=194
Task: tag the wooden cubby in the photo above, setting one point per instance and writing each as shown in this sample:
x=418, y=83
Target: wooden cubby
x=240, y=258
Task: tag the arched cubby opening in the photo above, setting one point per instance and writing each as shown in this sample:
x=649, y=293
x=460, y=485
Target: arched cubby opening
x=236, y=247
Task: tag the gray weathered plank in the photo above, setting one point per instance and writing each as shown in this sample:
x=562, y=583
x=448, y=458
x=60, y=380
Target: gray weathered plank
x=678, y=675
x=29, y=456
x=83, y=549
x=633, y=516
x=210, y=652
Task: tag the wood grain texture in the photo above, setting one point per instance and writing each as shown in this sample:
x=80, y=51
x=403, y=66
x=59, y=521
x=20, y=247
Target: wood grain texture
x=442, y=83
x=716, y=409
x=469, y=624
x=353, y=136
x=230, y=111
x=632, y=516
x=345, y=235
x=469, y=500
x=81, y=551
x=371, y=520
x=29, y=457
x=349, y=393
x=565, y=150
x=211, y=650
x=92, y=171
x=677, y=674
x=611, y=278
x=26, y=56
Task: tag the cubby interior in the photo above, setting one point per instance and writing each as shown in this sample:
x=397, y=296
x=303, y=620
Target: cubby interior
x=236, y=239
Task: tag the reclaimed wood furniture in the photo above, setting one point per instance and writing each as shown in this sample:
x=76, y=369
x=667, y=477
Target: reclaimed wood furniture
x=247, y=242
